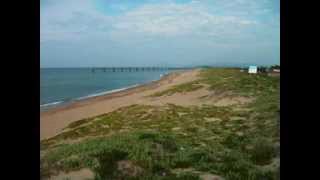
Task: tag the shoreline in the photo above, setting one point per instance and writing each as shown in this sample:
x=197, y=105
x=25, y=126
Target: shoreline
x=109, y=94
x=61, y=104
x=53, y=120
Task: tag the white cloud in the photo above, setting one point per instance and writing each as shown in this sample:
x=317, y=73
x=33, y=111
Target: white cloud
x=177, y=20
x=71, y=20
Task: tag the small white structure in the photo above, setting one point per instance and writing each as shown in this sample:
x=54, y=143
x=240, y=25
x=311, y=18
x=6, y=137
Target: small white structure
x=276, y=70
x=252, y=70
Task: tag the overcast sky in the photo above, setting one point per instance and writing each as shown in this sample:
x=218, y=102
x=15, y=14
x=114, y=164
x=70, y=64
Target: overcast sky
x=79, y=33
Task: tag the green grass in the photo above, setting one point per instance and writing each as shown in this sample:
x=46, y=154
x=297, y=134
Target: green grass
x=159, y=140
x=225, y=79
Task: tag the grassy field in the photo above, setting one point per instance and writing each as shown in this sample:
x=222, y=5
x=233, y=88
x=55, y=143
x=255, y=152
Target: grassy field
x=177, y=142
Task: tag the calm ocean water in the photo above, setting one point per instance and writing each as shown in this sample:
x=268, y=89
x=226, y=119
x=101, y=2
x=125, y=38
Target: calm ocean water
x=61, y=85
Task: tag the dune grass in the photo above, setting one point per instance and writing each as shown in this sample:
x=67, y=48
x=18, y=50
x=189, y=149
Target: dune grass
x=183, y=88
x=162, y=142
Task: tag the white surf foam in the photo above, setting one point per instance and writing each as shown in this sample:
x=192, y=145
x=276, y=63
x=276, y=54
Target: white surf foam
x=106, y=92
x=51, y=104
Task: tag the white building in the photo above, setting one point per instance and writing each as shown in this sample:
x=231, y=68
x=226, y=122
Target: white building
x=253, y=70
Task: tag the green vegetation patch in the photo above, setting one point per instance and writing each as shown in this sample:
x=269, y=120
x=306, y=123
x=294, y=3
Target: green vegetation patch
x=242, y=83
x=154, y=154
x=227, y=79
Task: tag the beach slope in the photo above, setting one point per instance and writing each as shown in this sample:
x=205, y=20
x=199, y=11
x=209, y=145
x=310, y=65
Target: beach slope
x=54, y=120
x=214, y=123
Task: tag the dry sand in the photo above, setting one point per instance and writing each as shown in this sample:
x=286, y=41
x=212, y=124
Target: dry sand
x=83, y=174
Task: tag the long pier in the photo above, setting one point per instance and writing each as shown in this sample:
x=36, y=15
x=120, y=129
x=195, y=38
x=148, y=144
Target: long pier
x=135, y=69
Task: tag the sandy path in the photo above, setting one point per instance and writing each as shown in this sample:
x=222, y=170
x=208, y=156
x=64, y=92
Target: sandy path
x=53, y=121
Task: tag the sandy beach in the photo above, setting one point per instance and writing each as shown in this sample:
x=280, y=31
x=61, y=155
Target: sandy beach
x=54, y=120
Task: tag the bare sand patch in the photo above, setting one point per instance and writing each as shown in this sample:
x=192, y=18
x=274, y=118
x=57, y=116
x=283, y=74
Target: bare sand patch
x=227, y=101
x=176, y=129
x=212, y=119
x=226, y=98
x=237, y=118
x=129, y=169
x=83, y=174
x=182, y=113
x=210, y=177
x=197, y=97
x=182, y=99
x=203, y=176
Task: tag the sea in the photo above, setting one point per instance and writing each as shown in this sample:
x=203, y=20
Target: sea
x=60, y=86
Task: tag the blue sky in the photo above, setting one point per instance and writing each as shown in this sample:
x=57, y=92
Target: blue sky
x=81, y=33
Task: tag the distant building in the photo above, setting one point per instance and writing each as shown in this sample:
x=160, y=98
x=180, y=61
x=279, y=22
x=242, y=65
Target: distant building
x=253, y=70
